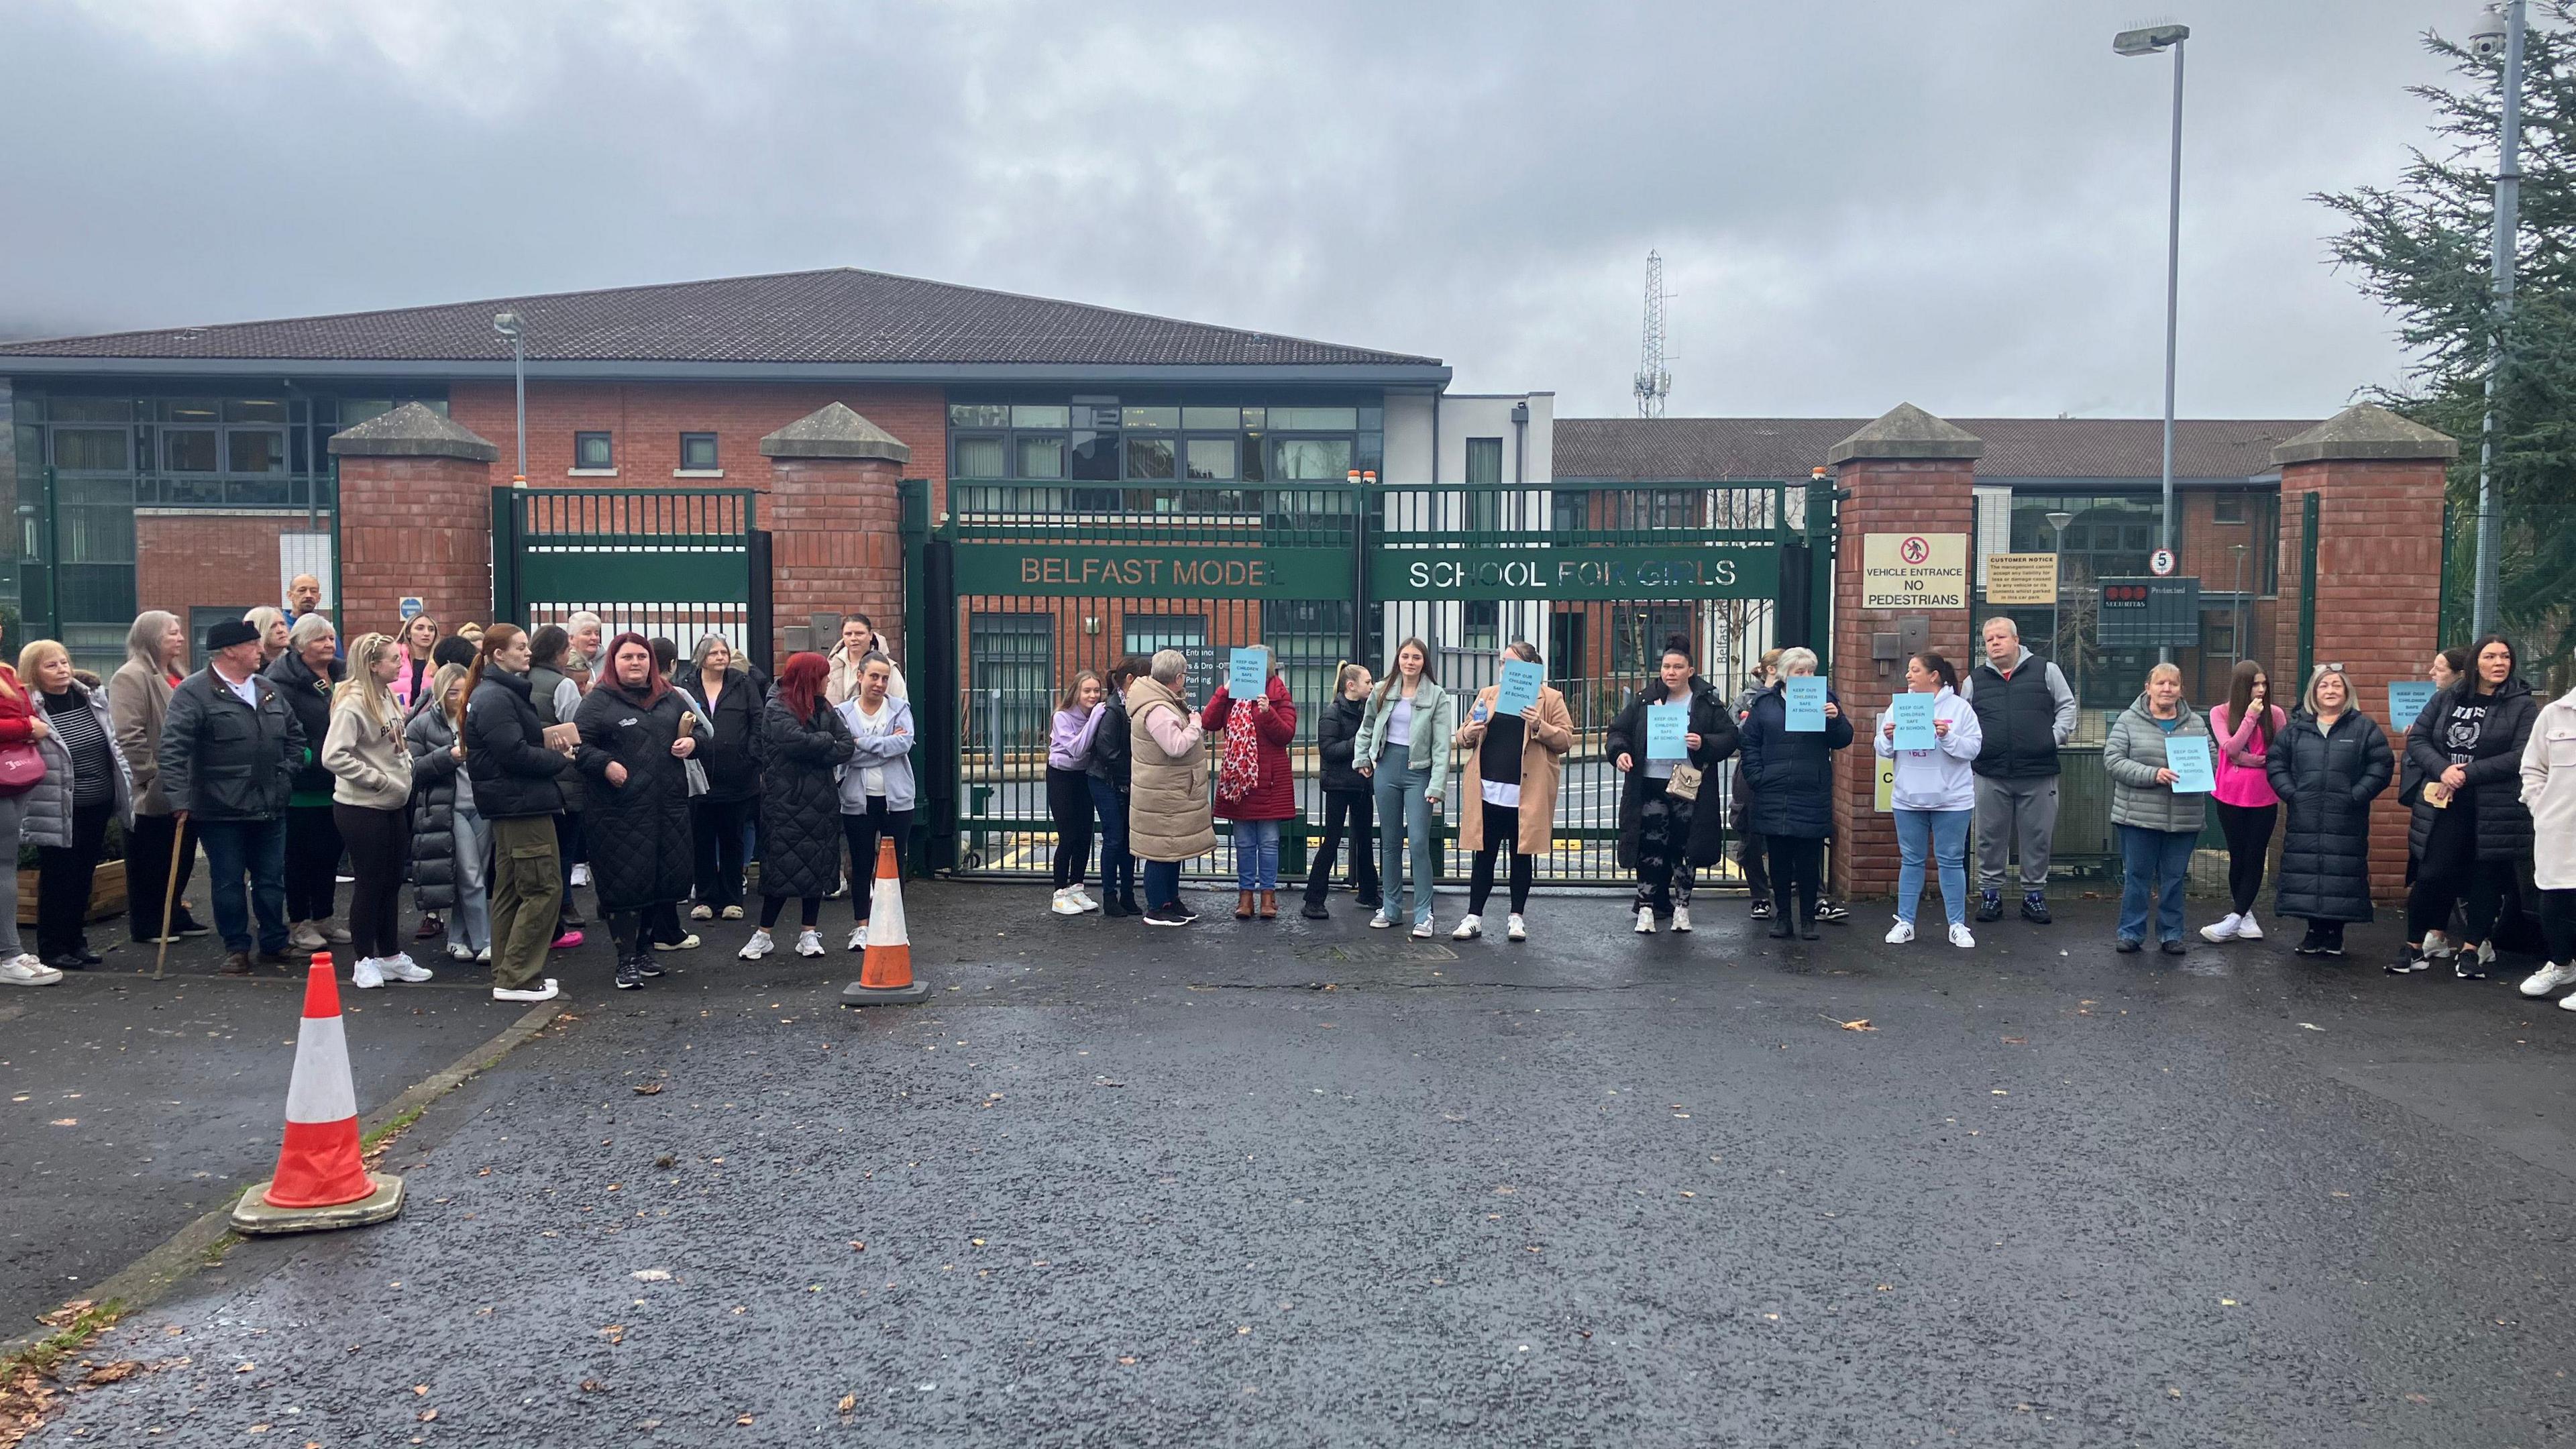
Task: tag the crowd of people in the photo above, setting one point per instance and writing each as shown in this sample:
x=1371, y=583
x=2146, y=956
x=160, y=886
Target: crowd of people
x=497, y=772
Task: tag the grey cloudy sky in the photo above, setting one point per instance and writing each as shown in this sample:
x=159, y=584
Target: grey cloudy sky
x=1959, y=204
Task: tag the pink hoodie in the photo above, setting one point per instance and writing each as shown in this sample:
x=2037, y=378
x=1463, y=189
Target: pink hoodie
x=2240, y=769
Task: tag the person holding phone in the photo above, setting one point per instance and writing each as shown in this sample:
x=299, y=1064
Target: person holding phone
x=1663, y=834
x=1516, y=761
x=2470, y=830
x=1403, y=751
x=1935, y=798
x=2158, y=825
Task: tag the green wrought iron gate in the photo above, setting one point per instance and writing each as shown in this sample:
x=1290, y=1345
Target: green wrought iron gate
x=680, y=563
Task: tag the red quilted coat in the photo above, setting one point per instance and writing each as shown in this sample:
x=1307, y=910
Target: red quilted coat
x=1274, y=796
x=17, y=709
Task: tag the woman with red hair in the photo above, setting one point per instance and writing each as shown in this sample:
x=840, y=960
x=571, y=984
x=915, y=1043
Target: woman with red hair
x=803, y=741
x=637, y=734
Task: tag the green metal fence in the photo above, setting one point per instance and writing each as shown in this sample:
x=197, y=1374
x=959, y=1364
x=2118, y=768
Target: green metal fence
x=676, y=562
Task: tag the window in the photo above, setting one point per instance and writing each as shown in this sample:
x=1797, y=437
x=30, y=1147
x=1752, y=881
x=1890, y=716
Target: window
x=188, y=450
x=978, y=415
x=1042, y=456
x=1311, y=460
x=1484, y=626
x=1199, y=419
x=1149, y=444
x=1569, y=510
x=95, y=449
x=1012, y=678
x=1565, y=646
x=1211, y=458
x=1311, y=637
x=1315, y=420
x=2227, y=507
x=1042, y=416
x=254, y=450
x=250, y=410
x=90, y=410
x=1150, y=417
x=1484, y=466
x=698, y=453
x=1149, y=632
x=592, y=450
x=1095, y=458
x=979, y=458
x=1638, y=635
x=1149, y=457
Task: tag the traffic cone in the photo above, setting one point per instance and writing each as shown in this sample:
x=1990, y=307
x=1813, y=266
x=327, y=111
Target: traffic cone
x=885, y=973
x=320, y=1181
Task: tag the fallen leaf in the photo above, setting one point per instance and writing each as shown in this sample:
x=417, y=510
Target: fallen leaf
x=246, y=1367
x=978, y=1242
x=1859, y=1024
x=2312, y=1026
x=2226, y=1302
x=744, y=1421
x=426, y=1415
x=648, y=1089
x=418, y=1389
x=857, y=1247
x=652, y=1275
x=1127, y=1358
x=66, y=1122
x=848, y=1403
x=109, y=1373
x=2016, y=1041
x=593, y=1386
x=1998, y=1092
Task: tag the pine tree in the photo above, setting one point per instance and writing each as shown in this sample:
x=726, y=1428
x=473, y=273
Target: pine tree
x=2422, y=249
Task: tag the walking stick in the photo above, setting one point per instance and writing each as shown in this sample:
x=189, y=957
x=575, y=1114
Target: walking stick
x=169, y=897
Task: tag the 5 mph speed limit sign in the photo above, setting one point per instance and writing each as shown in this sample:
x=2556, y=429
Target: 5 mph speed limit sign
x=2161, y=563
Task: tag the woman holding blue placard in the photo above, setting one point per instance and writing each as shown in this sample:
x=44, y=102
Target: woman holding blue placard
x=2327, y=765
x=1936, y=793
x=1666, y=757
x=1253, y=786
x=1516, y=756
x=2158, y=824
x=1791, y=768
x=1403, y=750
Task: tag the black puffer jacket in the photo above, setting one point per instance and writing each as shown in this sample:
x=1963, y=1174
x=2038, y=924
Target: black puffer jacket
x=1112, y=753
x=731, y=754
x=1714, y=723
x=2494, y=769
x=309, y=695
x=1337, y=731
x=800, y=802
x=433, y=810
x=514, y=774
x=2326, y=781
x=642, y=847
x=1792, y=775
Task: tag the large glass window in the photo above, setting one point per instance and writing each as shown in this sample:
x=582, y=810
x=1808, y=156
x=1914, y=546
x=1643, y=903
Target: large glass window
x=188, y=450
x=1484, y=466
x=1146, y=633
x=1042, y=456
x=698, y=453
x=1149, y=457
x=1149, y=444
x=593, y=450
x=1638, y=635
x=979, y=458
x=1211, y=458
x=254, y=450
x=1311, y=460
x=92, y=449
x=1012, y=678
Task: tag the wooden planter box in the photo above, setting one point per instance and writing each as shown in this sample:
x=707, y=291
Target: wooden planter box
x=106, y=892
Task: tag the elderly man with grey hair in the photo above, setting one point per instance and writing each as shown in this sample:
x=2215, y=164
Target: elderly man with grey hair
x=2026, y=712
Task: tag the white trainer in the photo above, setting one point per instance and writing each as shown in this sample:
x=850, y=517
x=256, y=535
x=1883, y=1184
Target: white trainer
x=2246, y=930
x=1082, y=898
x=1064, y=904
x=1900, y=933
x=758, y=946
x=545, y=990
x=25, y=970
x=1681, y=919
x=1962, y=938
x=809, y=942
x=859, y=936
x=1422, y=930
x=1645, y=920
x=2567, y=1002
x=459, y=951
x=2549, y=978
x=2437, y=943
x=400, y=967
x=365, y=976
x=2224, y=930
x=581, y=873
x=1469, y=928
x=1514, y=928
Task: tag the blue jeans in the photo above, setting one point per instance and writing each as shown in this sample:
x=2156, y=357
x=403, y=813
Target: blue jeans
x=1402, y=810
x=259, y=848
x=1943, y=835
x=1256, y=855
x=2154, y=863
x=1162, y=883
x=1117, y=867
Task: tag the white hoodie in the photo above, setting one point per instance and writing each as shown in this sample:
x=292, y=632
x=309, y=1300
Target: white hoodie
x=2549, y=789
x=1937, y=779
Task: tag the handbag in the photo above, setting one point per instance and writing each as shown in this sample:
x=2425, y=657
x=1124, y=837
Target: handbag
x=21, y=766
x=1684, y=782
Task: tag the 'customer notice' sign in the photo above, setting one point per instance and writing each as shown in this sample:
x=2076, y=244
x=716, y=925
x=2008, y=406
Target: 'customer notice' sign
x=1914, y=571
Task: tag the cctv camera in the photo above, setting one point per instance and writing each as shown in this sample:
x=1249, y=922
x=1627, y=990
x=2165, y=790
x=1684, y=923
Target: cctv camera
x=2486, y=42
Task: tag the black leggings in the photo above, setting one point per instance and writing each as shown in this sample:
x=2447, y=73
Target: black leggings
x=863, y=832
x=717, y=828
x=1502, y=832
x=810, y=908
x=1797, y=870
x=312, y=862
x=378, y=845
x=2481, y=882
x=2558, y=924
x=1069, y=801
x=66, y=875
x=1348, y=812
x=657, y=922
x=2249, y=839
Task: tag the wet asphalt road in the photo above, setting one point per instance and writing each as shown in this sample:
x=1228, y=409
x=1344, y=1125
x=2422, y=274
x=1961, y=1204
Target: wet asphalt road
x=1122, y=1187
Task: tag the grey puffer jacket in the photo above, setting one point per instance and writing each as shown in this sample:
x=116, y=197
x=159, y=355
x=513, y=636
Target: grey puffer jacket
x=49, y=800
x=2131, y=756
x=434, y=779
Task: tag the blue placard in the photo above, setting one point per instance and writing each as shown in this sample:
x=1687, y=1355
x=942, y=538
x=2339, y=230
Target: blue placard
x=2406, y=701
x=2188, y=757
x=1247, y=673
x=1666, y=724
x=1912, y=715
x=1518, y=689
x=1805, y=694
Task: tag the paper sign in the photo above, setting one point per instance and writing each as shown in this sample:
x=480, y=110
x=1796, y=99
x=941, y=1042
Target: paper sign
x=2021, y=579
x=1806, y=701
x=1517, y=690
x=2188, y=757
x=1665, y=726
x=1247, y=673
x=2406, y=701
x=1887, y=786
x=1912, y=715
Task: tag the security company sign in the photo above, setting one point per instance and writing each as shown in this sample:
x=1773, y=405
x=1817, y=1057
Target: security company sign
x=1914, y=571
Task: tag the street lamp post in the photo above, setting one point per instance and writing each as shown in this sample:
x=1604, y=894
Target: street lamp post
x=2147, y=42
x=2057, y=565
x=507, y=324
x=2483, y=604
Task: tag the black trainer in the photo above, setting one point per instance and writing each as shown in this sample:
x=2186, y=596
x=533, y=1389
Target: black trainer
x=2173, y=948
x=628, y=978
x=2034, y=909
x=1165, y=916
x=645, y=963
x=1761, y=910
x=1314, y=911
x=1990, y=906
x=1831, y=911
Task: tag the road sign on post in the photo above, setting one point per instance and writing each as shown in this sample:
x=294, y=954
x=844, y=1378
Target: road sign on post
x=2150, y=613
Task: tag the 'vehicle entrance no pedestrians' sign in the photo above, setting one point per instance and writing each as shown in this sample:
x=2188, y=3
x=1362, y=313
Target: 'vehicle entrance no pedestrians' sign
x=1914, y=571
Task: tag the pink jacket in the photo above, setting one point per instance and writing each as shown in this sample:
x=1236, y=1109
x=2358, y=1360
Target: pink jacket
x=2240, y=751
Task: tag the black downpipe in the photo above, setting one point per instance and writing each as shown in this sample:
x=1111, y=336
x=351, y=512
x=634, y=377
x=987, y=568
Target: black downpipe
x=761, y=623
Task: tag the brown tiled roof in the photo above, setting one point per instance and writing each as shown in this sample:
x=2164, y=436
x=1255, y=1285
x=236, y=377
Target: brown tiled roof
x=842, y=315
x=1623, y=449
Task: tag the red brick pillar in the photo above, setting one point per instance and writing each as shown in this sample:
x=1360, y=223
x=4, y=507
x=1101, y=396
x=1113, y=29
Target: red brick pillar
x=415, y=521
x=835, y=516
x=1910, y=476
x=2378, y=480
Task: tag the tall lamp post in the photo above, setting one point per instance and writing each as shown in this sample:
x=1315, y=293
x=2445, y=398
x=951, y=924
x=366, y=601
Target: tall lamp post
x=2057, y=565
x=507, y=324
x=2148, y=41
x=2498, y=30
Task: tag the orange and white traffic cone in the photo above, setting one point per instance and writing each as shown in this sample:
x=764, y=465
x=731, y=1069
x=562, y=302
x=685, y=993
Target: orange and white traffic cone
x=885, y=973
x=320, y=1181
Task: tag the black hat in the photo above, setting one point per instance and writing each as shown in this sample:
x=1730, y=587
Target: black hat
x=224, y=635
